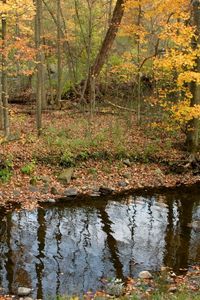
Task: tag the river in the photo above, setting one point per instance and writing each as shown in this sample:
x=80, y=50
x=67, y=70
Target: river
x=70, y=247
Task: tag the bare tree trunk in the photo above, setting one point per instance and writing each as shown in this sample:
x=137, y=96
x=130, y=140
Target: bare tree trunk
x=192, y=140
x=91, y=78
x=109, y=37
x=1, y=109
x=39, y=79
x=138, y=66
x=59, y=60
x=108, y=23
x=105, y=48
x=4, y=91
x=51, y=100
x=43, y=92
x=66, y=45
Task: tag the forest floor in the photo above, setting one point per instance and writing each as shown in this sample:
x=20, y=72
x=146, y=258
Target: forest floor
x=107, y=149
x=164, y=286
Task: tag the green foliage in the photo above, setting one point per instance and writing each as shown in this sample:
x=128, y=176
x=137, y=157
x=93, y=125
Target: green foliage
x=84, y=155
x=106, y=169
x=92, y=171
x=6, y=170
x=66, y=87
x=101, y=154
x=67, y=160
x=150, y=151
x=5, y=175
x=29, y=168
x=34, y=180
x=115, y=287
x=120, y=152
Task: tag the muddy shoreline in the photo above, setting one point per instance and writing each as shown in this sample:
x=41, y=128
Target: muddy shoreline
x=85, y=197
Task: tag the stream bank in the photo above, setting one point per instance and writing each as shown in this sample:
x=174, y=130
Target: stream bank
x=89, y=179
x=101, y=155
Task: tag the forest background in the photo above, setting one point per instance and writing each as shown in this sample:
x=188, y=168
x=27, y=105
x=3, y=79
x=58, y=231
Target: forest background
x=108, y=89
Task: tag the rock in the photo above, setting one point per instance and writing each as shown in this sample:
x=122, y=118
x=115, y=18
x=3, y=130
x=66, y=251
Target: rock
x=145, y=275
x=16, y=193
x=51, y=200
x=13, y=137
x=54, y=191
x=71, y=192
x=23, y=291
x=169, y=280
x=104, y=191
x=33, y=189
x=127, y=162
x=45, y=188
x=172, y=289
x=66, y=175
x=95, y=194
x=127, y=175
x=95, y=189
x=172, y=274
x=122, y=183
x=84, y=188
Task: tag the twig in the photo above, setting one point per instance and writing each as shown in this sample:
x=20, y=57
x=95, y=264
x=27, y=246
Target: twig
x=120, y=107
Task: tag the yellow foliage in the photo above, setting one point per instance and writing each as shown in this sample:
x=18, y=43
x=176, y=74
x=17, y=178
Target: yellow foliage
x=19, y=48
x=183, y=112
x=187, y=77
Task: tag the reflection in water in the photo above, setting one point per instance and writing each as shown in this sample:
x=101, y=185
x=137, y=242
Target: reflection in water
x=67, y=249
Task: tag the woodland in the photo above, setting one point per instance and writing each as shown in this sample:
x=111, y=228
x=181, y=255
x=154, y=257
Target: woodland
x=107, y=91
x=98, y=98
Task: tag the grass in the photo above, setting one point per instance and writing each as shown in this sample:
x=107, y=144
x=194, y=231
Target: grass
x=156, y=296
x=109, y=138
x=139, y=289
x=29, y=168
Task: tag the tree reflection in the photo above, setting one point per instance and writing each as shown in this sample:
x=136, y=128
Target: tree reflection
x=178, y=237
x=111, y=241
x=68, y=248
x=41, y=234
x=9, y=264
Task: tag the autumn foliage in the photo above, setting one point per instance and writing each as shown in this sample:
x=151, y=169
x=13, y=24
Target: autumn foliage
x=156, y=45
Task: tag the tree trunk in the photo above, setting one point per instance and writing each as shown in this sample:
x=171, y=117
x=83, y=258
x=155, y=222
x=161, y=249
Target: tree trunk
x=59, y=61
x=192, y=140
x=138, y=65
x=104, y=50
x=39, y=78
x=109, y=38
x=4, y=92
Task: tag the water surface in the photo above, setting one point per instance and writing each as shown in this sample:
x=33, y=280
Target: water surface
x=67, y=249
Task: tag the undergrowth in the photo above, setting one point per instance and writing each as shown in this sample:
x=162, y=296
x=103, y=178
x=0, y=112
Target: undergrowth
x=6, y=167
